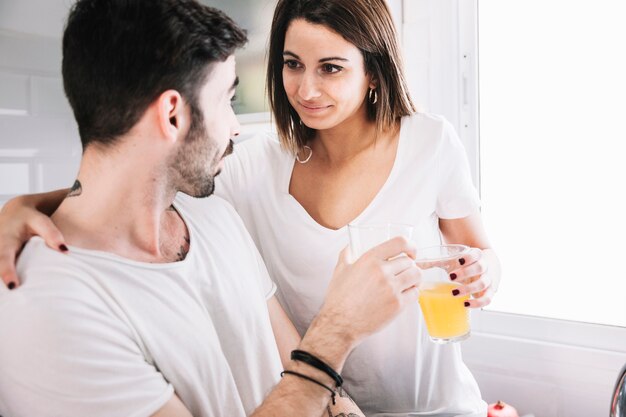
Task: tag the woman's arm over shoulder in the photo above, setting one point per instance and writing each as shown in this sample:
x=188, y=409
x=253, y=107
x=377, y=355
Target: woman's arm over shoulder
x=22, y=218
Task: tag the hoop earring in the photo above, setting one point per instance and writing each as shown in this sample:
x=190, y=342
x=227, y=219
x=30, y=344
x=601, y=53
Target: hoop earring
x=374, y=94
x=304, y=161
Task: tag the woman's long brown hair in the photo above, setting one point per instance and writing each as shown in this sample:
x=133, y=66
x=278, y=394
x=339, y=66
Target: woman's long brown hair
x=368, y=25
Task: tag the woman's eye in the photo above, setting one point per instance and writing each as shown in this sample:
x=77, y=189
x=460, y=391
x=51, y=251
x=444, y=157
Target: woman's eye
x=331, y=69
x=291, y=64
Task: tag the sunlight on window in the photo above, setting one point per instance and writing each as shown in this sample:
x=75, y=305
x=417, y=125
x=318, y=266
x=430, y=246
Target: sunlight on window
x=553, y=145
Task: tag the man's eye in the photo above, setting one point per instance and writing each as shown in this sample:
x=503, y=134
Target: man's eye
x=291, y=64
x=331, y=68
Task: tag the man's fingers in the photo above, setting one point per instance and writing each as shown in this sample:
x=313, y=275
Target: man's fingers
x=43, y=226
x=411, y=277
x=344, y=256
x=393, y=248
x=399, y=264
x=410, y=295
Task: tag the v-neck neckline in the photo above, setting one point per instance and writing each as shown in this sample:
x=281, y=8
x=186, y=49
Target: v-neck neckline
x=304, y=214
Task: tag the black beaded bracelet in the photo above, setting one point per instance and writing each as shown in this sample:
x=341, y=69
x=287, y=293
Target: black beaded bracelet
x=306, y=357
x=308, y=378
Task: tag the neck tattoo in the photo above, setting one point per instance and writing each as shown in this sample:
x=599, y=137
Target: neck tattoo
x=77, y=189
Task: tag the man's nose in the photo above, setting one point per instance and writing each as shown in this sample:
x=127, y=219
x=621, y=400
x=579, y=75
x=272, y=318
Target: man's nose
x=235, y=128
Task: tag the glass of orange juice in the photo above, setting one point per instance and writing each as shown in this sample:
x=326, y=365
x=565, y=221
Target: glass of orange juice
x=446, y=317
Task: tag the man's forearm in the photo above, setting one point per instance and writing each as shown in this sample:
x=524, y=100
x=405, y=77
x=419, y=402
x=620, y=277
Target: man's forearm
x=295, y=395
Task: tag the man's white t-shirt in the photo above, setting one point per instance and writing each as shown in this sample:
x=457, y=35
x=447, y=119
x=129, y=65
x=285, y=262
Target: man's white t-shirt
x=93, y=334
x=398, y=371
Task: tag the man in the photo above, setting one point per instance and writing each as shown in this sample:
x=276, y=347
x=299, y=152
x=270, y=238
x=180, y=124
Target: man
x=163, y=307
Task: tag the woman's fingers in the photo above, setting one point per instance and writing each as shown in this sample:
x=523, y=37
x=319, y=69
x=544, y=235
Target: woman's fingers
x=480, y=289
x=41, y=225
x=19, y=225
x=469, y=266
x=483, y=300
x=7, y=268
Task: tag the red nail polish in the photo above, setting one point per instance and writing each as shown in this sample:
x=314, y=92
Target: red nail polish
x=11, y=285
x=63, y=248
x=455, y=292
x=466, y=304
x=462, y=261
x=453, y=276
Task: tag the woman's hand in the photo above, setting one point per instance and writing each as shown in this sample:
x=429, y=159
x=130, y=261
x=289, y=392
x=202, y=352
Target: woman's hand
x=478, y=272
x=19, y=221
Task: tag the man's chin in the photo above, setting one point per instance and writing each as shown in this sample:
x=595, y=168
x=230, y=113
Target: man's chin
x=200, y=192
x=206, y=193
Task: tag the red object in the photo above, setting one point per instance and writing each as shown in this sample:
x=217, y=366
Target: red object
x=501, y=409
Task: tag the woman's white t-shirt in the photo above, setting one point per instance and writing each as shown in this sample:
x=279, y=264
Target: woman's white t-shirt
x=398, y=371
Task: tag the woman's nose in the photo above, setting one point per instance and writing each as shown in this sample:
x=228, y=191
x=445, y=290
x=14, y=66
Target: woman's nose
x=309, y=87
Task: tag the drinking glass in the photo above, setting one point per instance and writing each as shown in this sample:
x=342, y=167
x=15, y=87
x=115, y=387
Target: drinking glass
x=446, y=317
x=365, y=237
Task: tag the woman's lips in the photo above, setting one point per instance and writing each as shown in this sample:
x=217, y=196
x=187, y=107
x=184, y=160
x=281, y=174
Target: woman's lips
x=313, y=108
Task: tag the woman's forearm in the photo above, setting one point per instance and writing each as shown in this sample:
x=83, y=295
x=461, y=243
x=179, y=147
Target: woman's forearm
x=47, y=203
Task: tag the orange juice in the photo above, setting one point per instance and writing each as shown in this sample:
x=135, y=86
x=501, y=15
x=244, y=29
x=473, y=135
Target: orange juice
x=445, y=315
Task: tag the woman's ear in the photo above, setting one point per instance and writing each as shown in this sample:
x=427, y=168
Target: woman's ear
x=173, y=115
x=373, y=82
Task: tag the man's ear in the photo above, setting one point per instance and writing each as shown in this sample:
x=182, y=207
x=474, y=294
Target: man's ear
x=173, y=114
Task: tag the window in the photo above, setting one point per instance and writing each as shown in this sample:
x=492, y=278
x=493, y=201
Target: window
x=552, y=93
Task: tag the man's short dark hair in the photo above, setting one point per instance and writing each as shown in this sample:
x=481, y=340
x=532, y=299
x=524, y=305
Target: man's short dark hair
x=120, y=55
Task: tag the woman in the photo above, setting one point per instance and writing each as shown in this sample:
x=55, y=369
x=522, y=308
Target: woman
x=352, y=149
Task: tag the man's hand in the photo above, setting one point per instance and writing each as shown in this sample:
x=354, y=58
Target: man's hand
x=20, y=220
x=365, y=295
x=362, y=298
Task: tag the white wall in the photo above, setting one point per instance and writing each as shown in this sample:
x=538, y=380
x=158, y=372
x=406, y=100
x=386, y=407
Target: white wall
x=39, y=145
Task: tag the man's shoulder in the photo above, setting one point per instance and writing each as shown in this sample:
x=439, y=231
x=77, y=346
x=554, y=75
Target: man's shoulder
x=53, y=284
x=41, y=267
x=52, y=299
